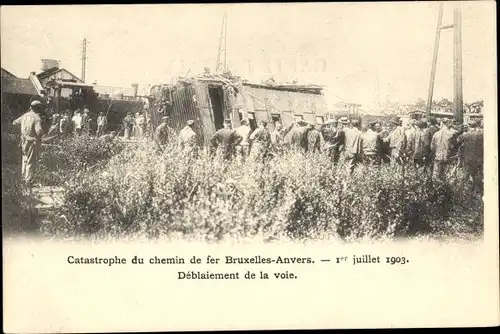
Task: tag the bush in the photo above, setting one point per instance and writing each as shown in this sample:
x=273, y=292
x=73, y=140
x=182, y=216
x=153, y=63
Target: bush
x=142, y=191
x=68, y=158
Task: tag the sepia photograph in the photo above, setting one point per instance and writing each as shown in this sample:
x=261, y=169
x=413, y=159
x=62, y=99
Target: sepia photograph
x=273, y=124
x=228, y=134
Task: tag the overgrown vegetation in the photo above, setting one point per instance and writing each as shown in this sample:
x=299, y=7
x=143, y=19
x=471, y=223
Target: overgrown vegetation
x=117, y=191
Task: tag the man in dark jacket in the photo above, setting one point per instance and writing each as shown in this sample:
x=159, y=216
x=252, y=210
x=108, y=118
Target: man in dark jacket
x=428, y=134
x=471, y=153
x=334, y=140
x=371, y=144
x=296, y=135
x=315, y=140
x=225, y=140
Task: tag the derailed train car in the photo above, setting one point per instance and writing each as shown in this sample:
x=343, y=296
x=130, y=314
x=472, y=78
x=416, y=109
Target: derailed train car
x=208, y=100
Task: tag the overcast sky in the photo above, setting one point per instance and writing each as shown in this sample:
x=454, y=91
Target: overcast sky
x=340, y=45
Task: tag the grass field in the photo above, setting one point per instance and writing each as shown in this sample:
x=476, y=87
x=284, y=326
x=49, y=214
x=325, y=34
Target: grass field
x=116, y=190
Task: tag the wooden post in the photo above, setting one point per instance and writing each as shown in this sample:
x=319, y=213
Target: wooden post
x=457, y=65
x=434, y=61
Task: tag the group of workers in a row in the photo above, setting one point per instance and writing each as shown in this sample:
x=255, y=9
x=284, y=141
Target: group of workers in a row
x=429, y=145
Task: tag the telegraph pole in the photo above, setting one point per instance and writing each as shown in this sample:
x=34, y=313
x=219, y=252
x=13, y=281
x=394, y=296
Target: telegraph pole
x=457, y=65
x=434, y=61
x=84, y=58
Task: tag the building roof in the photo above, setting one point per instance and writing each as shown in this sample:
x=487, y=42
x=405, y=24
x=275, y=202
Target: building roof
x=18, y=86
x=68, y=83
x=52, y=71
x=7, y=74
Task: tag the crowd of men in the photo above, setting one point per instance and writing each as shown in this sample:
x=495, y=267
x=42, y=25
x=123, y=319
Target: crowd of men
x=428, y=145
x=433, y=146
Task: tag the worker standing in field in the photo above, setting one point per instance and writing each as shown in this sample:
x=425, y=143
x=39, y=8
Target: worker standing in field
x=225, y=140
x=277, y=137
x=261, y=142
x=77, y=121
x=163, y=133
x=416, y=145
x=128, y=125
x=471, y=153
x=187, y=138
x=353, y=145
x=429, y=132
x=371, y=145
x=397, y=141
x=296, y=135
x=243, y=149
x=442, y=146
x=315, y=140
x=101, y=124
x=31, y=140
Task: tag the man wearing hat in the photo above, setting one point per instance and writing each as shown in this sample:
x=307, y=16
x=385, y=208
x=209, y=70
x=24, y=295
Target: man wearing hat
x=163, y=132
x=296, y=136
x=31, y=140
x=187, y=137
x=334, y=140
x=432, y=128
x=225, y=140
x=371, y=143
x=244, y=131
x=471, y=153
x=261, y=142
x=315, y=140
x=353, y=145
x=396, y=141
x=128, y=125
x=442, y=146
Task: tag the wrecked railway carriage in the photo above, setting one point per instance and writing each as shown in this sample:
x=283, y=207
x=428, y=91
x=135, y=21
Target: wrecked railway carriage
x=210, y=99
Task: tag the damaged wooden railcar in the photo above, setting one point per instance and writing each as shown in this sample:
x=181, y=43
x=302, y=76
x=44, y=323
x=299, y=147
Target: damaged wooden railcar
x=208, y=100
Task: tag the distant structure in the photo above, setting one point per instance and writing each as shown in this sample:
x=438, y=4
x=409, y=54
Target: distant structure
x=48, y=64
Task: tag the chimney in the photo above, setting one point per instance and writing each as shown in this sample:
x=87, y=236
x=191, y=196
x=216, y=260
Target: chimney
x=135, y=87
x=47, y=64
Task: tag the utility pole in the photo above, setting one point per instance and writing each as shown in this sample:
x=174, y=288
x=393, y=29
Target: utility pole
x=457, y=62
x=84, y=58
x=457, y=65
x=222, y=58
x=434, y=61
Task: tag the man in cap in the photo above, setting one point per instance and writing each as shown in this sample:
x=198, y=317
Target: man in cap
x=371, y=144
x=261, y=142
x=77, y=121
x=296, y=136
x=187, y=137
x=442, y=146
x=416, y=145
x=334, y=140
x=315, y=140
x=101, y=124
x=430, y=130
x=471, y=153
x=397, y=141
x=128, y=125
x=244, y=147
x=277, y=137
x=225, y=140
x=31, y=140
x=353, y=145
x=163, y=133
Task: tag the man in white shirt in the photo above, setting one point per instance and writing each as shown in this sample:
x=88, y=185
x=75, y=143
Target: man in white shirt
x=244, y=131
x=77, y=122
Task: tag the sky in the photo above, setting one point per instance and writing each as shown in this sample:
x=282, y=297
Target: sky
x=343, y=46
